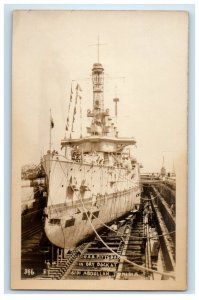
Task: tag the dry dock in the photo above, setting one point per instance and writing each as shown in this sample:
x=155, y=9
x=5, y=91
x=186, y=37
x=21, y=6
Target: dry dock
x=140, y=245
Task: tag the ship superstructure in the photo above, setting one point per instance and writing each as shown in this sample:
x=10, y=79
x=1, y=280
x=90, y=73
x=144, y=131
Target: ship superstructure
x=96, y=178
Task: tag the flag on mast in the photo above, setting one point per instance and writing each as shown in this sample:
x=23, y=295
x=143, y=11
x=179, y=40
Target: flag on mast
x=51, y=121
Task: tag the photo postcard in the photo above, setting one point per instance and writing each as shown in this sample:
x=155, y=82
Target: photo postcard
x=99, y=150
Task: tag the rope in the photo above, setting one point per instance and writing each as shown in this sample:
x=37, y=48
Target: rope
x=138, y=266
x=123, y=258
x=133, y=236
x=115, y=253
x=108, y=227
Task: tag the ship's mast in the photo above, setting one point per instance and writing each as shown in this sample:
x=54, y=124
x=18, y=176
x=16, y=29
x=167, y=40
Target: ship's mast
x=98, y=87
x=98, y=80
x=99, y=123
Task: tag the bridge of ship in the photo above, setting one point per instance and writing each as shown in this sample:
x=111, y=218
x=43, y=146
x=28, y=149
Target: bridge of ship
x=99, y=143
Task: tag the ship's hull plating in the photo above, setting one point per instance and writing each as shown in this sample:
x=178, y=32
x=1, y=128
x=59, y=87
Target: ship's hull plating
x=66, y=221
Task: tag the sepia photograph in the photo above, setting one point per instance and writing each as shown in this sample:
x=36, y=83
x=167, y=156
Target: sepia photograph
x=99, y=149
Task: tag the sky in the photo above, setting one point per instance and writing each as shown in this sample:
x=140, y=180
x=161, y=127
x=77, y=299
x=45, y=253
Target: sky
x=145, y=62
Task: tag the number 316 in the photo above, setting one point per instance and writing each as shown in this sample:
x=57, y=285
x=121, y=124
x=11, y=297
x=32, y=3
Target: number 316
x=29, y=272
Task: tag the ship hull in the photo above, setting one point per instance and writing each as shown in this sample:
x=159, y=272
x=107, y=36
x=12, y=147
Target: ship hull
x=72, y=207
x=78, y=227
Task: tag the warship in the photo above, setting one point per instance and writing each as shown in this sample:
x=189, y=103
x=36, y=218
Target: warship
x=96, y=180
